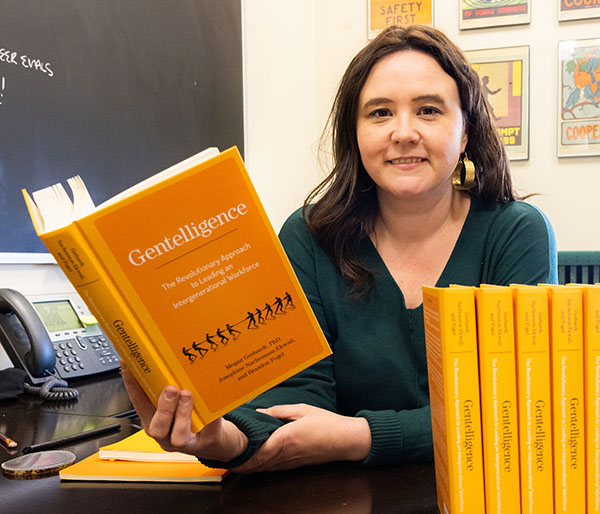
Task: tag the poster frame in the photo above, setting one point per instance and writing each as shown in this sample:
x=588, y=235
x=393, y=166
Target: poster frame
x=567, y=58
x=372, y=31
x=469, y=7
x=481, y=56
x=579, y=13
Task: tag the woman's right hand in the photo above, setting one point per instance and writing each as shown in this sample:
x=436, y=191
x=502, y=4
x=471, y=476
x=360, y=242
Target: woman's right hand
x=170, y=423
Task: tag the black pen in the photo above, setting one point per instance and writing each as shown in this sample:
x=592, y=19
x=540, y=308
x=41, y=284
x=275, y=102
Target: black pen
x=48, y=445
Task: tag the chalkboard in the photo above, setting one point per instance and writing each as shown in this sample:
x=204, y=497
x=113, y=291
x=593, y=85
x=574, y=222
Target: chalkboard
x=112, y=90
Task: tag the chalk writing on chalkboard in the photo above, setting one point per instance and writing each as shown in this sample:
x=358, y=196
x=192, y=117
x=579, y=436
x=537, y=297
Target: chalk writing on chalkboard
x=25, y=61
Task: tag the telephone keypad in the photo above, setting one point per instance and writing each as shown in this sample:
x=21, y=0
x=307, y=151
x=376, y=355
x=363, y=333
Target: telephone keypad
x=85, y=355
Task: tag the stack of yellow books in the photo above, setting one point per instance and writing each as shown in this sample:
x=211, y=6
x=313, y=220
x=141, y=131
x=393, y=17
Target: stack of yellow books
x=514, y=378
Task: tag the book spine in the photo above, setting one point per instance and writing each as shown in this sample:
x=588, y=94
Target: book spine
x=99, y=293
x=497, y=379
x=451, y=340
x=591, y=350
x=533, y=388
x=566, y=342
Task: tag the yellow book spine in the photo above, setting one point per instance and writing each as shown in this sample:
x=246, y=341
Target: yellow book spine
x=497, y=380
x=533, y=388
x=566, y=356
x=451, y=340
x=591, y=352
x=87, y=275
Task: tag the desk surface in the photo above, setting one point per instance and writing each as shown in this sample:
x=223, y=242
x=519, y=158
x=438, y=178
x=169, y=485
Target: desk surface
x=329, y=489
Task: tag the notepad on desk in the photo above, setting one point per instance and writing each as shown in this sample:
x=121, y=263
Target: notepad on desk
x=138, y=458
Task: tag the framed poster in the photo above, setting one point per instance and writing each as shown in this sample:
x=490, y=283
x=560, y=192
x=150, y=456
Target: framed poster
x=382, y=14
x=504, y=75
x=578, y=9
x=475, y=14
x=579, y=97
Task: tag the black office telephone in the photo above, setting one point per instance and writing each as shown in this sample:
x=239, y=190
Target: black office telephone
x=53, y=336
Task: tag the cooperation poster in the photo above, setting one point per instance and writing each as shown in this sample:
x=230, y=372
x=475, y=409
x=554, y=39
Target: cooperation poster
x=579, y=97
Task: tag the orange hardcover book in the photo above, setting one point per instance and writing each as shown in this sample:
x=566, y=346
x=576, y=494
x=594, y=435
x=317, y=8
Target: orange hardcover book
x=451, y=341
x=566, y=361
x=532, y=340
x=93, y=468
x=188, y=279
x=591, y=353
x=498, y=386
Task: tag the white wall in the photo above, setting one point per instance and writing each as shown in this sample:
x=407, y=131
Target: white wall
x=295, y=54
x=297, y=50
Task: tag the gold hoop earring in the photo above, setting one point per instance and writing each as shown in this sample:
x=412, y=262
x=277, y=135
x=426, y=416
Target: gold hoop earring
x=463, y=176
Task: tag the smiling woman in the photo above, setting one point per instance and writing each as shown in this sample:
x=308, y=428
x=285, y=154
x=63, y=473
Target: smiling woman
x=410, y=140
x=411, y=136
x=387, y=220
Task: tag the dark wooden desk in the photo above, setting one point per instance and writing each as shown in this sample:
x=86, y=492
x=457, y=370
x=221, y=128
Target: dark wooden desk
x=330, y=489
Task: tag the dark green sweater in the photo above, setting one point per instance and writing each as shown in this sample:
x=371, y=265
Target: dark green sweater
x=378, y=369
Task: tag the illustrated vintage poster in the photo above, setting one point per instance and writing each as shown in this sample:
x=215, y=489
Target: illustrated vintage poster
x=578, y=9
x=579, y=97
x=504, y=75
x=383, y=14
x=493, y=13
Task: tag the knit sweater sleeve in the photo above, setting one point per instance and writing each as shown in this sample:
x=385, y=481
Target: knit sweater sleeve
x=399, y=436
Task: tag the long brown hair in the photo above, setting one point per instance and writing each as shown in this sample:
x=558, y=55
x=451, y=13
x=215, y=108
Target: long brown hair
x=343, y=208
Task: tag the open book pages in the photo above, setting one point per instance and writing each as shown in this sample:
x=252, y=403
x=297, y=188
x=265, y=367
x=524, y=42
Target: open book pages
x=140, y=447
x=52, y=208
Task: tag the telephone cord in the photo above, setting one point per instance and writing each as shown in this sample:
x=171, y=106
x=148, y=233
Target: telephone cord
x=53, y=389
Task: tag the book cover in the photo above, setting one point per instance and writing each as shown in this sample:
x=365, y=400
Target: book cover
x=591, y=353
x=498, y=386
x=93, y=468
x=532, y=341
x=451, y=342
x=141, y=447
x=188, y=279
x=566, y=361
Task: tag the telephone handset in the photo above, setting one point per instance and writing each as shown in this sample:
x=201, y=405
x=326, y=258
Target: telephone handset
x=24, y=337
x=47, y=337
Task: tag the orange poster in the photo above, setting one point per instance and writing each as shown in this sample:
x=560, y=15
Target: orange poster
x=384, y=14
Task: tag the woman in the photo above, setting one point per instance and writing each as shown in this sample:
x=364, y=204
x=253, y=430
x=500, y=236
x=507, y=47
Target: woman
x=401, y=208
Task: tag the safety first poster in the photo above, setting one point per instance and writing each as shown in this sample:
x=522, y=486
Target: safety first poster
x=384, y=14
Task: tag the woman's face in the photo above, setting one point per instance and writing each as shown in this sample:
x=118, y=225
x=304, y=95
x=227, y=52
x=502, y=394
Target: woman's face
x=410, y=127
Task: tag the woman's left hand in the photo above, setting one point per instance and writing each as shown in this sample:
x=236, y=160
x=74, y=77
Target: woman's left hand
x=313, y=436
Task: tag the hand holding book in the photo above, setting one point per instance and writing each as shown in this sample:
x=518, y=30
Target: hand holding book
x=325, y=436
x=170, y=423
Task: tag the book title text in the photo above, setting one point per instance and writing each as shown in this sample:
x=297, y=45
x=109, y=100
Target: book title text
x=185, y=234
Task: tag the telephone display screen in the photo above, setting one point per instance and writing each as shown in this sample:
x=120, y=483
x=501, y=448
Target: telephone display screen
x=58, y=316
